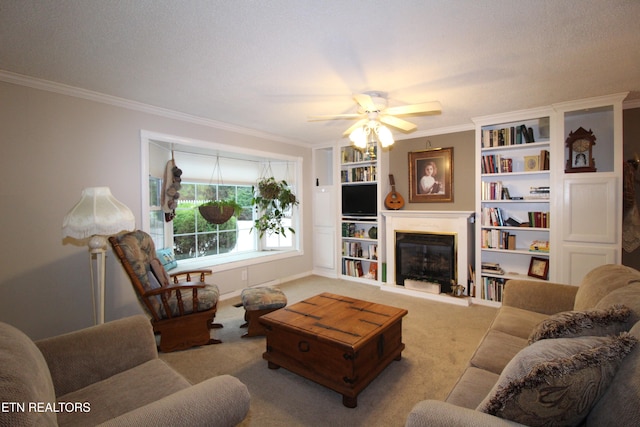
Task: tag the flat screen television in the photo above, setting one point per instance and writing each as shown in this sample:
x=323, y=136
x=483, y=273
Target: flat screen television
x=360, y=200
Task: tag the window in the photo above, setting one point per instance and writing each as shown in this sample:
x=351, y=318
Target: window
x=189, y=234
x=194, y=237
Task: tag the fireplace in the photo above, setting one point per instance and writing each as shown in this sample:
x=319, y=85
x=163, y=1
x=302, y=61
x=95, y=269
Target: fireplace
x=439, y=227
x=428, y=258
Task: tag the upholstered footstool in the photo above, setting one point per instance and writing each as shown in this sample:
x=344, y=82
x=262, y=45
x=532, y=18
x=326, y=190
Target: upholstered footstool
x=258, y=302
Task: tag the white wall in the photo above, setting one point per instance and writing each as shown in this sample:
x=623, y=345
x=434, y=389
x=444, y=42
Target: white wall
x=55, y=145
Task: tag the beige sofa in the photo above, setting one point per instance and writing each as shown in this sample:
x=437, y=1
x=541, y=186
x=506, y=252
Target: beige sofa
x=107, y=375
x=505, y=356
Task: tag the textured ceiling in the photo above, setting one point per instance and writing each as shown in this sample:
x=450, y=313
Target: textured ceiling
x=267, y=65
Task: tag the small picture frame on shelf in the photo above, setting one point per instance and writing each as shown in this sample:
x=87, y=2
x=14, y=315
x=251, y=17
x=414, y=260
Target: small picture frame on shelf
x=531, y=163
x=431, y=175
x=539, y=268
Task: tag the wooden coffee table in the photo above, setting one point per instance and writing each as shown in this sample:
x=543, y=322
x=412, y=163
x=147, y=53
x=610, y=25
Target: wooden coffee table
x=339, y=342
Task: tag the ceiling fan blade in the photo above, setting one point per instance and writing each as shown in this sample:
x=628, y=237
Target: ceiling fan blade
x=334, y=116
x=365, y=102
x=433, y=107
x=358, y=124
x=398, y=123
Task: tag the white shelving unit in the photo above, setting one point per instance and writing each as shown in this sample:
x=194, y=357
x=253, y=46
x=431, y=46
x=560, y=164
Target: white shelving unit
x=514, y=199
x=360, y=235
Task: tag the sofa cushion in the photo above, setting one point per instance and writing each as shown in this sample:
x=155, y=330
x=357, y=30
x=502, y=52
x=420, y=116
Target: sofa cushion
x=24, y=379
x=496, y=350
x=123, y=392
x=595, y=322
x=516, y=321
x=627, y=295
x=472, y=387
x=622, y=398
x=556, y=382
x=601, y=281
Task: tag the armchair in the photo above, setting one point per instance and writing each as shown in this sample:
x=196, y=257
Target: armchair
x=182, y=310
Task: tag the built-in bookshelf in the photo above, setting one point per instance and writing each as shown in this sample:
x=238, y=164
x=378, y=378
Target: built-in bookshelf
x=359, y=229
x=514, y=199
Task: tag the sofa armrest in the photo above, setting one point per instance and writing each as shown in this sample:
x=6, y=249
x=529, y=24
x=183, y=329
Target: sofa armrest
x=83, y=357
x=434, y=413
x=217, y=402
x=541, y=297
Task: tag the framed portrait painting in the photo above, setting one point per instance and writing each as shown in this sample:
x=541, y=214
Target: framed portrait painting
x=431, y=176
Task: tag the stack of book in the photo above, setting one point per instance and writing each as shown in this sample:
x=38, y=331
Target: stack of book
x=492, y=268
x=539, y=246
x=538, y=193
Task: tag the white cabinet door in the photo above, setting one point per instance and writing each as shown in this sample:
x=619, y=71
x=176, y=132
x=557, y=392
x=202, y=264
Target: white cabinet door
x=590, y=224
x=590, y=211
x=324, y=229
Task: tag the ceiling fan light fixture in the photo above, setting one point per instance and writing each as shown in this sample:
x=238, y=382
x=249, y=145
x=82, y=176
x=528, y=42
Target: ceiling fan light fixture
x=384, y=136
x=359, y=137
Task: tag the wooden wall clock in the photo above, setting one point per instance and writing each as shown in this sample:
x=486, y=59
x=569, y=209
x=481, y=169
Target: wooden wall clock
x=580, y=144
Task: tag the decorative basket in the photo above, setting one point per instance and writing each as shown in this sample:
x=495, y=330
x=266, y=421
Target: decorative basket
x=269, y=189
x=216, y=214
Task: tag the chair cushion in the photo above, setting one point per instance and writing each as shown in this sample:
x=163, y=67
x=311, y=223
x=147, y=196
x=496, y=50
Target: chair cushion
x=557, y=381
x=263, y=298
x=24, y=379
x=123, y=392
x=167, y=258
x=207, y=298
x=569, y=324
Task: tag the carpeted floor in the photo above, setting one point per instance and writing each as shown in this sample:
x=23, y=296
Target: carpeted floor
x=440, y=339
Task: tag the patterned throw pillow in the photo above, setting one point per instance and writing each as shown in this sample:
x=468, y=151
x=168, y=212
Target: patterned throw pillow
x=570, y=324
x=557, y=382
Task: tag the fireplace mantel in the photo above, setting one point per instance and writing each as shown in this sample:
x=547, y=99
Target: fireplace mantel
x=458, y=222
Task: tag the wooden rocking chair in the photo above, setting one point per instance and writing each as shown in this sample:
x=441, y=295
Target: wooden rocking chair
x=182, y=312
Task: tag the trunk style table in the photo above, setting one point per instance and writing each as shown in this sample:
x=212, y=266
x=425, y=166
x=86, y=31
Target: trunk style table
x=339, y=342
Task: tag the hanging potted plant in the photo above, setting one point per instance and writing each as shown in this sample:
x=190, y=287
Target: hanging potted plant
x=219, y=211
x=273, y=198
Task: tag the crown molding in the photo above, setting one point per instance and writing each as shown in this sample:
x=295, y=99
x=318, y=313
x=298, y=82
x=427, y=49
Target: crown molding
x=634, y=103
x=76, y=92
x=438, y=131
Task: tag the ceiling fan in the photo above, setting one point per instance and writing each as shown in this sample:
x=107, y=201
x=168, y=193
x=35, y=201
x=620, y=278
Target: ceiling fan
x=374, y=114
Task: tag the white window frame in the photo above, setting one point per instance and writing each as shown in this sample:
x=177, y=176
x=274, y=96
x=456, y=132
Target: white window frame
x=264, y=252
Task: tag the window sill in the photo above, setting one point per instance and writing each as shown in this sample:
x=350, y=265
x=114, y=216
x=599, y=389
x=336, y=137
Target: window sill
x=231, y=262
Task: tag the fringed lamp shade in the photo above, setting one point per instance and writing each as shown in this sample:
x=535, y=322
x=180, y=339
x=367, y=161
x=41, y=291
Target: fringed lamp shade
x=97, y=213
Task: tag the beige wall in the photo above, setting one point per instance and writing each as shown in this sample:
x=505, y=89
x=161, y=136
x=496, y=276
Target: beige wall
x=54, y=146
x=463, y=144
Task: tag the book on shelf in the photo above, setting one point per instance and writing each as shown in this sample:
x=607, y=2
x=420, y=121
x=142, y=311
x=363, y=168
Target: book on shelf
x=496, y=164
x=511, y=135
x=492, y=288
x=539, y=246
x=538, y=193
x=492, y=268
x=498, y=239
x=352, y=268
x=544, y=160
x=539, y=219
